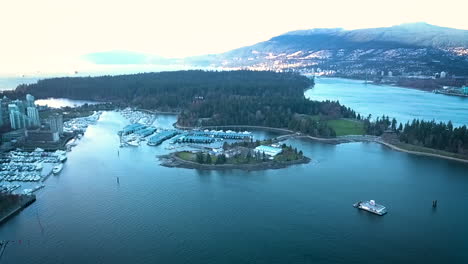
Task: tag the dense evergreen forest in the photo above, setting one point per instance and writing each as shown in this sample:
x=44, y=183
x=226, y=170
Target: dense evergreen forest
x=272, y=111
x=429, y=134
x=436, y=135
x=170, y=90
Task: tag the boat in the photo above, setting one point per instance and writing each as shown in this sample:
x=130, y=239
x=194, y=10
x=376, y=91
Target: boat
x=133, y=143
x=57, y=168
x=62, y=158
x=371, y=206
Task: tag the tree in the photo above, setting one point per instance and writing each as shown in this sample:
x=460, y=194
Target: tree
x=249, y=156
x=199, y=157
x=221, y=159
x=208, y=158
x=394, y=123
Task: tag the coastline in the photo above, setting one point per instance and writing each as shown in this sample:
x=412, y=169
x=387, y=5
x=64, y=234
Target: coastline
x=172, y=161
x=424, y=89
x=419, y=153
x=337, y=140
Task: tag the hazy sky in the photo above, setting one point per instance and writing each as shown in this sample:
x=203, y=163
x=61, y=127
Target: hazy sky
x=52, y=35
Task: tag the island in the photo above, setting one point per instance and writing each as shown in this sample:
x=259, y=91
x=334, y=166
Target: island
x=238, y=155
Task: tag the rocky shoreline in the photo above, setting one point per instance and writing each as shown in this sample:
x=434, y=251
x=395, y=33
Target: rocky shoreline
x=172, y=161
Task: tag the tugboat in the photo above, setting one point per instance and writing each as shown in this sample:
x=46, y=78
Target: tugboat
x=371, y=206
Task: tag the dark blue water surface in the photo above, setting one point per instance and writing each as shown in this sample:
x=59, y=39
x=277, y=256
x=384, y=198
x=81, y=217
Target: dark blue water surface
x=301, y=214
x=402, y=103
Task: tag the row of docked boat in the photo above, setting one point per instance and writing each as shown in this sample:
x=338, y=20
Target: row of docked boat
x=80, y=124
x=36, y=156
x=23, y=177
x=135, y=116
x=8, y=188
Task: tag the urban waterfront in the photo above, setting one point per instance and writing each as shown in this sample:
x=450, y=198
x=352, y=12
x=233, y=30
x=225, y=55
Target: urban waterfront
x=402, y=103
x=301, y=214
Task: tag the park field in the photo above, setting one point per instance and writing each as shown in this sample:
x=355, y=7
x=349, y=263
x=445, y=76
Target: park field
x=344, y=127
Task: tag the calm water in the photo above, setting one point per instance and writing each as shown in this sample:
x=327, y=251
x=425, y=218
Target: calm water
x=402, y=103
x=62, y=102
x=10, y=83
x=301, y=214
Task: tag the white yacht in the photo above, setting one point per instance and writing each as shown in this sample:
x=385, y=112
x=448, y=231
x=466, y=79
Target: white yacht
x=62, y=158
x=57, y=168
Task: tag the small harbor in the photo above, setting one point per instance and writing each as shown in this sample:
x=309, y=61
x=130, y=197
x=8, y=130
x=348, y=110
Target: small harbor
x=23, y=173
x=142, y=128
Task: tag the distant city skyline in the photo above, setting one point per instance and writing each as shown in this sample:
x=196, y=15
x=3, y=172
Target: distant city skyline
x=52, y=36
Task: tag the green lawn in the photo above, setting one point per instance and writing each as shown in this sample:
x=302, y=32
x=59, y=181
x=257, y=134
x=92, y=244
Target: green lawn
x=185, y=155
x=345, y=127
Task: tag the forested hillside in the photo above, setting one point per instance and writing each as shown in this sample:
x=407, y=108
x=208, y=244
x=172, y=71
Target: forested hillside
x=170, y=90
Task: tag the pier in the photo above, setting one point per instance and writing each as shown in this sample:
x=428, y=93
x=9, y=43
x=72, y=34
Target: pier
x=12, y=204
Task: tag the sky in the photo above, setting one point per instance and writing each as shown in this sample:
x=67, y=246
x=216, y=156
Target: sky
x=51, y=36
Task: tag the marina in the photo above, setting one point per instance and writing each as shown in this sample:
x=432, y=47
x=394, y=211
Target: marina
x=81, y=123
x=142, y=128
x=20, y=169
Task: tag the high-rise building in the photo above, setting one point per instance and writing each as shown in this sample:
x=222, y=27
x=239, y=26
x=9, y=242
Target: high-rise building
x=4, y=110
x=33, y=115
x=17, y=119
x=55, y=122
x=30, y=101
x=21, y=106
x=1, y=114
x=19, y=114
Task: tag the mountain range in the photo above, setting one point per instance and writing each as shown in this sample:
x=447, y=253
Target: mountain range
x=407, y=49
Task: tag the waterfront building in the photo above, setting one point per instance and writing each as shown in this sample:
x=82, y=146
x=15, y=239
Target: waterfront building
x=132, y=128
x=13, y=135
x=39, y=135
x=5, y=115
x=268, y=150
x=465, y=90
x=30, y=101
x=55, y=123
x=17, y=119
x=33, y=115
x=443, y=74
x=390, y=74
x=1, y=114
x=21, y=106
x=161, y=136
x=19, y=114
